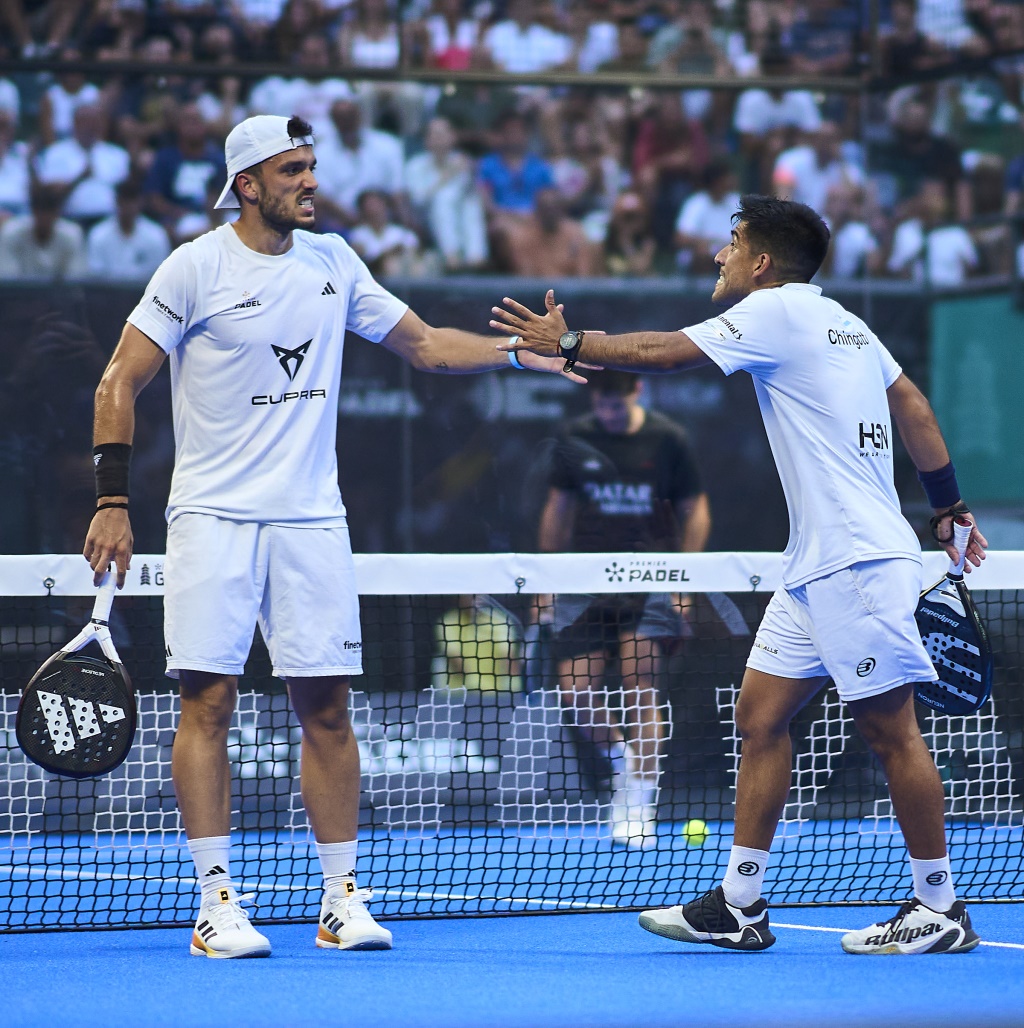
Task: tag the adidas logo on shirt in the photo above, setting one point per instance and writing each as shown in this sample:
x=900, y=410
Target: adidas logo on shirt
x=328, y=290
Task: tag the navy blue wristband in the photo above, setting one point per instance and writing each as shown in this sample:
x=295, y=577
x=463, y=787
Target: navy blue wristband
x=940, y=486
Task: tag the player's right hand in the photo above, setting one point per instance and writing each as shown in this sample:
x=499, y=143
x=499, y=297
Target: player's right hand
x=109, y=539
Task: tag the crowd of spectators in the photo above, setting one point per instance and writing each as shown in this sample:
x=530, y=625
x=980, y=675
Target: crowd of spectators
x=101, y=175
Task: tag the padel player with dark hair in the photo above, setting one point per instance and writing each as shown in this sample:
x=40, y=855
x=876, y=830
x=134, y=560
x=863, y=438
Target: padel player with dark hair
x=253, y=316
x=622, y=479
x=828, y=390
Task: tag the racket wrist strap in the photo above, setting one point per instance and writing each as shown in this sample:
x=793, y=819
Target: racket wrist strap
x=112, y=462
x=940, y=486
x=958, y=508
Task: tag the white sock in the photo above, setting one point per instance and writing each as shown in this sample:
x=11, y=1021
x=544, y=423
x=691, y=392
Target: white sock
x=933, y=883
x=337, y=861
x=212, y=857
x=745, y=875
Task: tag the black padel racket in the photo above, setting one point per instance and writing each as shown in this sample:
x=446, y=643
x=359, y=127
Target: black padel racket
x=954, y=636
x=77, y=715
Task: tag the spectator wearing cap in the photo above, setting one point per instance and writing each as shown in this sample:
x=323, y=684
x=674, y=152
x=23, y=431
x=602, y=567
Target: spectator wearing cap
x=127, y=247
x=704, y=224
x=86, y=166
x=14, y=168
x=176, y=183
x=42, y=244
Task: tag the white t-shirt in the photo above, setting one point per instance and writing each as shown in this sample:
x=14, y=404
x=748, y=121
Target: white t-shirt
x=378, y=163
x=256, y=346
x=522, y=51
x=112, y=255
x=701, y=216
x=942, y=256
x=820, y=375
x=93, y=197
x=799, y=176
x=758, y=112
x=851, y=246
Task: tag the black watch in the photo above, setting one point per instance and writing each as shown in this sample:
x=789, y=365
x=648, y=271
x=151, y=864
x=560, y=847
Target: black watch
x=569, y=344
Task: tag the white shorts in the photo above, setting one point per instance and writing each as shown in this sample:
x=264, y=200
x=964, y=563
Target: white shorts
x=222, y=577
x=855, y=626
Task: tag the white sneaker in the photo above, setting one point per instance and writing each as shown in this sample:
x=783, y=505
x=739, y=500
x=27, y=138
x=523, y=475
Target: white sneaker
x=633, y=813
x=223, y=930
x=635, y=827
x=915, y=928
x=713, y=920
x=345, y=923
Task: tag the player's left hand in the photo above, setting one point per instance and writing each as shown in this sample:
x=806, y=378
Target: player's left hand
x=976, y=545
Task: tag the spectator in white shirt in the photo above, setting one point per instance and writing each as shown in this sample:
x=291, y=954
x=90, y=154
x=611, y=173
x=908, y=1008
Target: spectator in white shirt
x=86, y=166
x=14, y=170
x=352, y=159
x=443, y=192
x=42, y=244
x=855, y=250
x=927, y=248
x=127, y=247
x=807, y=172
x=704, y=224
x=767, y=121
x=447, y=37
x=309, y=99
x=386, y=248
x=521, y=45
x=10, y=98
x=60, y=101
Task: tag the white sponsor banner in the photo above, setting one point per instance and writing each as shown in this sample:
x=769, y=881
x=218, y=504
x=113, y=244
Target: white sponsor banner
x=412, y=574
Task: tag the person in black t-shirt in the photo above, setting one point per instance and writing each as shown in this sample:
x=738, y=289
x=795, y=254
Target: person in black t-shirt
x=622, y=479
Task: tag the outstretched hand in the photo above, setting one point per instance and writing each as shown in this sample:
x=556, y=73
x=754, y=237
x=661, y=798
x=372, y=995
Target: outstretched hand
x=538, y=334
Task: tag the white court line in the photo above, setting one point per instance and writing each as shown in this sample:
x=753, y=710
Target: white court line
x=259, y=886
x=843, y=931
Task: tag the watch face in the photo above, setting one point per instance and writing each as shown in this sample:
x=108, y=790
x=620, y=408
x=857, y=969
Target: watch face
x=568, y=342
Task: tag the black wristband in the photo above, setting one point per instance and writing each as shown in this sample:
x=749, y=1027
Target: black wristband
x=108, y=506
x=113, y=463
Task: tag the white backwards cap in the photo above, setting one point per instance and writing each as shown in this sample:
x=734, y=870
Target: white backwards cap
x=250, y=143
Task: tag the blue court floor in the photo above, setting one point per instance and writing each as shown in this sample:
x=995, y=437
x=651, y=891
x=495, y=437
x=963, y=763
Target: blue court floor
x=520, y=972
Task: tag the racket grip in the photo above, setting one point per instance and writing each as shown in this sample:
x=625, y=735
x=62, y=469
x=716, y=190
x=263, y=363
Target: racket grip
x=105, y=597
x=962, y=529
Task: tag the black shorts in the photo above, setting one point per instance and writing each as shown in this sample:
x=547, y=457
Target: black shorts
x=586, y=623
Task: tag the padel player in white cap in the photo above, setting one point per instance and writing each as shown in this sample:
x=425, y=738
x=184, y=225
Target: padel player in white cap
x=253, y=316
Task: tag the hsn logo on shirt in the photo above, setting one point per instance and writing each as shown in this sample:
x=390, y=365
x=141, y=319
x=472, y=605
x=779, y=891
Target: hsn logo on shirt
x=621, y=497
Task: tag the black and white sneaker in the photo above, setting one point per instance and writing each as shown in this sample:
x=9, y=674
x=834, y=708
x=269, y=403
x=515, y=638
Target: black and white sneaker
x=915, y=928
x=711, y=919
